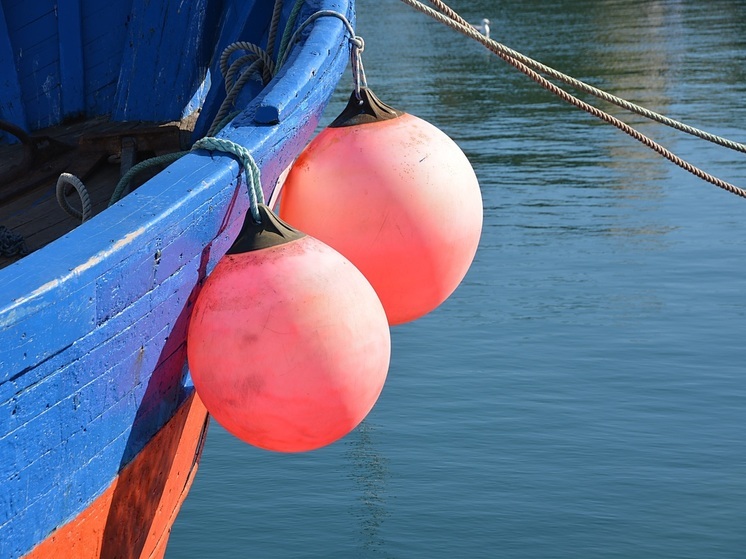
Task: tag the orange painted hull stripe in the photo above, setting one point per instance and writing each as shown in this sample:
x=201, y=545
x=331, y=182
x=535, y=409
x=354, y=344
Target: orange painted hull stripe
x=132, y=519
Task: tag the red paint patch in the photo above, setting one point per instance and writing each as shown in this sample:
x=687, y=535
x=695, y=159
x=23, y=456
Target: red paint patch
x=133, y=517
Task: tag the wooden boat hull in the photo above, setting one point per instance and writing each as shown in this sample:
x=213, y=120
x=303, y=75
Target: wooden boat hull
x=100, y=429
x=133, y=516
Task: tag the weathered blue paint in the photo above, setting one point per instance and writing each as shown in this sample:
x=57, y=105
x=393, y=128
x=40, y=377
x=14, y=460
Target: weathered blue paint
x=11, y=102
x=70, y=32
x=32, y=29
x=161, y=35
x=104, y=28
x=93, y=326
x=167, y=45
x=234, y=26
x=283, y=99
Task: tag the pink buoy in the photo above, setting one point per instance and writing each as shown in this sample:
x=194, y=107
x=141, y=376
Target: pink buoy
x=396, y=196
x=288, y=344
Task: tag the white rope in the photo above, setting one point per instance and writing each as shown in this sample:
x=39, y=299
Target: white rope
x=515, y=59
x=452, y=19
x=356, y=63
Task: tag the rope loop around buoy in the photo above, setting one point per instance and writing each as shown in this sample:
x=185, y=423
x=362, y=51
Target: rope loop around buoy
x=532, y=68
x=356, y=63
x=357, y=46
x=253, y=177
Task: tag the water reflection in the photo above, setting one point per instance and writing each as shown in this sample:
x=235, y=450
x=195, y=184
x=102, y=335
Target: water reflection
x=511, y=128
x=487, y=102
x=585, y=382
x=368, y=469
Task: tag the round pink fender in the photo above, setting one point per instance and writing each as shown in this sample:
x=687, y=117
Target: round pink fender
x=288, y=345
x=398, y=198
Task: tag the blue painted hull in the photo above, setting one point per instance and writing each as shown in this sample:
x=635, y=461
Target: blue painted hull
x=92, y=326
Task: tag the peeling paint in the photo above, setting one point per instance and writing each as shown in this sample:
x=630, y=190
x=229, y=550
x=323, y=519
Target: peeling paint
x=78, y=270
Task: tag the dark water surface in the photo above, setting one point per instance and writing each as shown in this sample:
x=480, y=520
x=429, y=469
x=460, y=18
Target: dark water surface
x=582, y=394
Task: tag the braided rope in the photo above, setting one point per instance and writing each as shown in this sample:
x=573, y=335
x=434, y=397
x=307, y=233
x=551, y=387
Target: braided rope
x=254, y=184
x=236, y=66
x=262, y=65
x=63, y=181
x=125, y=183
x=357, y=46
x=225, y=107
x=11, y=244
x=516, y=60
x=285, y=41
x=269, y=65
x=587, y=88
x=273, y=27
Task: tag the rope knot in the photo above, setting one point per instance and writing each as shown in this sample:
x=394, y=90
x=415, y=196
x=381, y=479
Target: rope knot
x=256, y=196
x=358, y=43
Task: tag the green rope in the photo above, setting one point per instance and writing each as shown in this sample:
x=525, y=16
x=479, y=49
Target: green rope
x=285, y=41
x=253, y=177
x=220, y=125
x=125, y=183
x=259, y=59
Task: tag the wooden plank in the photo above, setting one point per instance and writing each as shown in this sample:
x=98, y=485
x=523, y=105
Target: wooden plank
x=11, y=102
x=37, y=216
x=28, y=204
x=159, y=139
x=293, y=80
x=32, y=27
x=105, y=28
x=233, y=27
x=161, y=61
x=63, y=302
x=158, y=479
x=69, y=25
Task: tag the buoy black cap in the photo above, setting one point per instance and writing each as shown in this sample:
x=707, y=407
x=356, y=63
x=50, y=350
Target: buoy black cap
x=272, y=231
x=367, y=109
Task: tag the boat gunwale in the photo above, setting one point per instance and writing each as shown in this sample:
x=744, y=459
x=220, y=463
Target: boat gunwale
x=50, y=265
x=50, y=312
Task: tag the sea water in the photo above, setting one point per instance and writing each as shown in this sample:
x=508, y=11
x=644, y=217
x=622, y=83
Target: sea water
x=583, y=393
